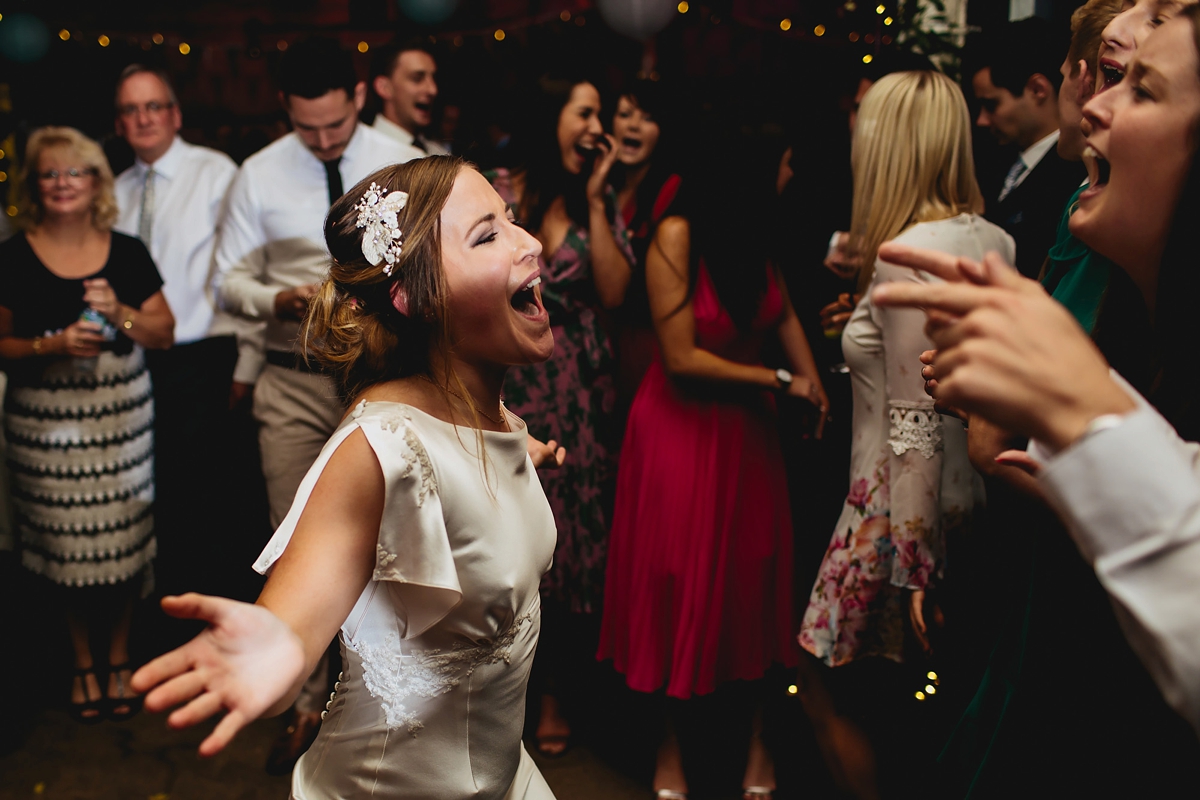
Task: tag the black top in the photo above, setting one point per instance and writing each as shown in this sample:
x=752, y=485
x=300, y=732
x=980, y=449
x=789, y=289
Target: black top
x=42, y=303
x=1032, y=210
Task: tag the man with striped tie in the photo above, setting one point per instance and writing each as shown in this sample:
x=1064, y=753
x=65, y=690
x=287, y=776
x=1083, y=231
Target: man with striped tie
x=1016, y=79
x=172, y=198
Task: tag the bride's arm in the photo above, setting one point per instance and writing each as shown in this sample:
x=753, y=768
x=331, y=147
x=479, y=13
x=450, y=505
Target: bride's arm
x=252, y=659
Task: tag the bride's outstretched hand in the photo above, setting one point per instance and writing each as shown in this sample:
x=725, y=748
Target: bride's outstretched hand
x=243, y=663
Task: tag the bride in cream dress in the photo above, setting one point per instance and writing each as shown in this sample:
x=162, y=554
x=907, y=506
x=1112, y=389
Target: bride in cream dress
x=421, y=532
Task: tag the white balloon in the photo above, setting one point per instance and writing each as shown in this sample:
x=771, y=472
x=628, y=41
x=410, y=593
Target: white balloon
x=638, y=19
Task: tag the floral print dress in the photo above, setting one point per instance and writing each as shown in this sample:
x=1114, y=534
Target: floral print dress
x=911, y=484
x=571, y=398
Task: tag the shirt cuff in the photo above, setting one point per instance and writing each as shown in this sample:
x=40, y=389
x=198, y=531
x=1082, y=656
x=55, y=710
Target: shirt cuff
x=1116, y=486
x=249, y=365
x=249, y=298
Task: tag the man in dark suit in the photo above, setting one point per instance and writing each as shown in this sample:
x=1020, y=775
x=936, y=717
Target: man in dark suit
x=1016, y=82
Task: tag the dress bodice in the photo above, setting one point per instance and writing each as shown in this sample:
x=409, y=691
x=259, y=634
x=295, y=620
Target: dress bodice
x=715, y=329
x=438, y=647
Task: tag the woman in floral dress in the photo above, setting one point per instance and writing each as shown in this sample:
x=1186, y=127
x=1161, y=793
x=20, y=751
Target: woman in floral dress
x=910, y=481
x=560, y=194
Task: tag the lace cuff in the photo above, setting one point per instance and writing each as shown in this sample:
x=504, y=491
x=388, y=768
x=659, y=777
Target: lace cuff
x=915, y=426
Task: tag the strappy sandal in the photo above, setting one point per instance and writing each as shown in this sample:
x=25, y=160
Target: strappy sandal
x=131, y=703
x=757, y=793
x=80, y=711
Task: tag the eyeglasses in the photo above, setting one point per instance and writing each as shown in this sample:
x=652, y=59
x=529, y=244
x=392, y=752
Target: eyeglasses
x=73, y=175
x=153, y=107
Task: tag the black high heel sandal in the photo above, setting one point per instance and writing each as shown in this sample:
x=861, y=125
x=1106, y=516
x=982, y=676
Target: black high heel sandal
x=132, y=704
x=79, y=711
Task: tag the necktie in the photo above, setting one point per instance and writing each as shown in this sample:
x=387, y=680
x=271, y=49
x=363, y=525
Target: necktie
x=1010, y=181
x=333, y=179
x=146, y=220
x=419, y=143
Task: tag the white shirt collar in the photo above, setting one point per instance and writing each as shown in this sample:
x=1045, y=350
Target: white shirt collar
x=168, y=163
x=1033, y=155
x=386, y=126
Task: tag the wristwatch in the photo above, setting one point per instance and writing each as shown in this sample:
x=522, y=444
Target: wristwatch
x=785, y=379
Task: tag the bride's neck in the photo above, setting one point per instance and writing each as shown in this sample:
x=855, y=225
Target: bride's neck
x=483, y=382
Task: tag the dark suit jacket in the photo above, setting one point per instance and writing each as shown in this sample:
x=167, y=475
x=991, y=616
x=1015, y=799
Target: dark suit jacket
x=1031, y=212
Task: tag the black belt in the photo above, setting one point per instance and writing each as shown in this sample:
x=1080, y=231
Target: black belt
x=280, y=358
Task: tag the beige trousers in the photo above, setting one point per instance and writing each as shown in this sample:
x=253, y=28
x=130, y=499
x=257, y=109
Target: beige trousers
x=297, y=412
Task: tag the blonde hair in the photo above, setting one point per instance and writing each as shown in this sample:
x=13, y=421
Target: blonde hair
x=912, y=160
x=30, y=211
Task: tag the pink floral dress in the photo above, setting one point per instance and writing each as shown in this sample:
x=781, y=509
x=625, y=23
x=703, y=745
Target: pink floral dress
x=911, y=484
x=571, y=398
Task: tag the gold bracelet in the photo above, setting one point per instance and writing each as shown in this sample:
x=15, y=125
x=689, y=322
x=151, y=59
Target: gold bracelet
x=128, y=323
x=37, y=345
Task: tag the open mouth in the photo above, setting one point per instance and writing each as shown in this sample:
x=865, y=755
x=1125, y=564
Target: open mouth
x=631, y=143
x=1111, y=73
x=425, y=107
x=527, y=300
x=1098, y=167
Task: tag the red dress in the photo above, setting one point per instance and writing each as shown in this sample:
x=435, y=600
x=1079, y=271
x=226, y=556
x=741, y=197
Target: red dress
x=699, y=583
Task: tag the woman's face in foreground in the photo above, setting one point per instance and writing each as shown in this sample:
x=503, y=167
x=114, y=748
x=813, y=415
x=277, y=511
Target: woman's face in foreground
x=1125, y=33
x=492, y=276
x=1140, y=142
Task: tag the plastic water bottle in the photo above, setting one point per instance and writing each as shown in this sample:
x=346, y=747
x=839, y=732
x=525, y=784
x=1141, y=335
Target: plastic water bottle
x=107, y=330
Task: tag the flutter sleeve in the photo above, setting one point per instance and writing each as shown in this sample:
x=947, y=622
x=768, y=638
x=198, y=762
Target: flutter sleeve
x=915, y=446
x=413, y=558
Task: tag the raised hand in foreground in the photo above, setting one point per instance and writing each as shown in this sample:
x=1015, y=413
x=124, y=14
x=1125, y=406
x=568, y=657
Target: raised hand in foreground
x=244, y=663
x=1006, y=350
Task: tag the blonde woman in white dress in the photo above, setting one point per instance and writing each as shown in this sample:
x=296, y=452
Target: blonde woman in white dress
x=421, y=531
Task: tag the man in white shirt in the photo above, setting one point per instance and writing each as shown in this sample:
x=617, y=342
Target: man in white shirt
x=405, y=78
x=271, y=260
x=1016, y=81
x=172, y=198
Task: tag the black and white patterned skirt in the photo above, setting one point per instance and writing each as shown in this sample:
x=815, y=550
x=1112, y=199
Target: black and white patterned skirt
x=81, y=458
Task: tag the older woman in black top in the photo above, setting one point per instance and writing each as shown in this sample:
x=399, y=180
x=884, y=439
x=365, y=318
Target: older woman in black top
x=78, y=303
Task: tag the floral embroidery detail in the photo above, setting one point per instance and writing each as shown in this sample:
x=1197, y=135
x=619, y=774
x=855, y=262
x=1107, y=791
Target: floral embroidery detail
x=383, y=559
x=915, y=427
x=394, y=677
x=419, y=458
x=358, y=409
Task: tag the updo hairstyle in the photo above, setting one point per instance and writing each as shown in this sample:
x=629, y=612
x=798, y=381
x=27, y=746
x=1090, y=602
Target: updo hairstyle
x=353, y=329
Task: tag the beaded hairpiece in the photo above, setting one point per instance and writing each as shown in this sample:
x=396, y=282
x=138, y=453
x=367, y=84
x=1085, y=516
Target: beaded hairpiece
x=377, y=212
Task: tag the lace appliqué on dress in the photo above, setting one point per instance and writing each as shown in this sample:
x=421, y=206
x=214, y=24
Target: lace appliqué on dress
x=393, y=676
x=914, y=427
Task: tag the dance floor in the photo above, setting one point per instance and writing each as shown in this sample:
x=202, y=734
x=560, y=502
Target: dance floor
x=142, y=760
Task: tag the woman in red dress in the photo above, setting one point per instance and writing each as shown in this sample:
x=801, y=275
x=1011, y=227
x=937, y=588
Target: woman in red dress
x=698, y=588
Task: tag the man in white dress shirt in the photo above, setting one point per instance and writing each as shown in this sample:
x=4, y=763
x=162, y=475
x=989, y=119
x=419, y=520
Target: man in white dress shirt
x=172, y=198
x=271, y=260
x=405, y=78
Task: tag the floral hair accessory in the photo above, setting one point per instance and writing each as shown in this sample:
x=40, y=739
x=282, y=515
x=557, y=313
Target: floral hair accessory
x=377, y=212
